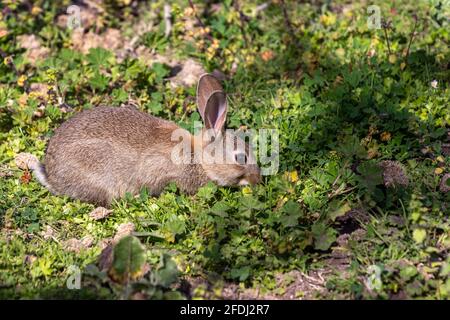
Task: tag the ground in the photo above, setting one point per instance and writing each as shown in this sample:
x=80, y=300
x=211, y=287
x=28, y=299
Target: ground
x=358, y=208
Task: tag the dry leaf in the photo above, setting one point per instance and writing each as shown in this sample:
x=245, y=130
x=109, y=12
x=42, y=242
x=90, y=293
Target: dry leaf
x=47, y=233
x=267, y=55
x=26, y=161
x=99, y=213
x=445, y=183
x=123, y=230
x=76, y=245
x=26, y=177
x=394, y=174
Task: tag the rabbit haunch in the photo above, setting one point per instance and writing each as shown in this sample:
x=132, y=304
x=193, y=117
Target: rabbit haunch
x=100, y=154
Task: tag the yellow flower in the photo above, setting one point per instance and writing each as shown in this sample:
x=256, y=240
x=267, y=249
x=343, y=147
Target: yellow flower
x=328, y=19
x=35, y=11
x=340, y=52
x=215, y=44
x=188, y=12
x=440, y=159
x=23, y=100
x=292, y=176
x=392, y=58
x=438, y=170
x=246, y=190
x=8, y=60
x=21, y=80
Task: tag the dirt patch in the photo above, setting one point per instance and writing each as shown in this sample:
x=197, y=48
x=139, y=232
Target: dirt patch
x=293, y=285
x=111, y=39
x=352, y=220
x=183, y=72
x=34, y=49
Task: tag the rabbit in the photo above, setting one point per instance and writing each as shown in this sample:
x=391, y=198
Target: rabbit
x=102, y=153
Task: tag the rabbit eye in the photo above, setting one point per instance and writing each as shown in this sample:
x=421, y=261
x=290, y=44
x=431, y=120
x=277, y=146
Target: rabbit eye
x=241, y=158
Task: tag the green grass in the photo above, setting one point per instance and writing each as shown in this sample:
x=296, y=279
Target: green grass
x=342, y=105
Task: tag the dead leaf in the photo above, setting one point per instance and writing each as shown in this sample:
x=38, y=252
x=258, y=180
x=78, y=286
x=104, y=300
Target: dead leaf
x=99, y=213
x=444, y=187
x=394, y=174
x=267, y=55
x=26, y=177
x=26, y=161
x=48, y=233
x=123, y=230
x=76, y=245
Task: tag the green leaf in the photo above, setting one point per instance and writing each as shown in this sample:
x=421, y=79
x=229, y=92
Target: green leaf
x=155, y=107
x=167, y=272
x=323, y=236
x=338, y=210
x=99, y=81
x=99, y=57
x=207, y=191
x=128, y=260
x=292, y=213
x=160, y=71
x=408, y=273
x=419, y=235
x=120, y=95
x=251, y=202
x=240, y=273
x=175, y=225
x=220, y=209
x=371, y=175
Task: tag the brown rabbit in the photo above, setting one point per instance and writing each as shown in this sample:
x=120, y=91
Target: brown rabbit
x=100, y=154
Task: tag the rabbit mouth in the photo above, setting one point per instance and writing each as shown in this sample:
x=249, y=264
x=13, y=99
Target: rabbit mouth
x=243, y=182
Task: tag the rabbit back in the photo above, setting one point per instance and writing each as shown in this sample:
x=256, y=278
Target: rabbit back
x=102, y=153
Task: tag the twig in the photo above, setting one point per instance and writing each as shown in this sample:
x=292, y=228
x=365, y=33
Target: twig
x=242, y=18
x=411, y=39
x=289, y=24
x=385, y=27
x=261, y=7
x=167, y=20
x=199, y=21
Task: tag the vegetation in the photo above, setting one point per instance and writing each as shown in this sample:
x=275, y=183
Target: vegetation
x=359, y=208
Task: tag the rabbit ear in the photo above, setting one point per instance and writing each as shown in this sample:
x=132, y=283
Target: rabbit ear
x=211, y=102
